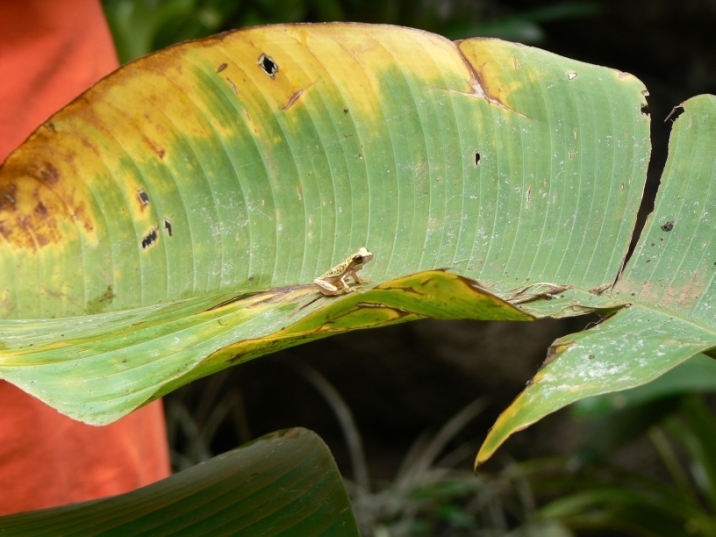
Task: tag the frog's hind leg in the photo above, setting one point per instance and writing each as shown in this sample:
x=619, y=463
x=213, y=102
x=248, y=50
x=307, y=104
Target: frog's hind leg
x=326, y=288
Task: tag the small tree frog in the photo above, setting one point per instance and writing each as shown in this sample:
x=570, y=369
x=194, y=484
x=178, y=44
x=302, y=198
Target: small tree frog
x=327, y=283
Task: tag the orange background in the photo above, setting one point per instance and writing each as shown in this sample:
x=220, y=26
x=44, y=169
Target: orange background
x=49, y=53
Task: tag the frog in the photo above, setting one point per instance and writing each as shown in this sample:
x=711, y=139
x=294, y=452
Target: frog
x=328, y=283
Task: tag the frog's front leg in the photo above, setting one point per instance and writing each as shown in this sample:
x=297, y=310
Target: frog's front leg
x=354, y=274
x=327, y=288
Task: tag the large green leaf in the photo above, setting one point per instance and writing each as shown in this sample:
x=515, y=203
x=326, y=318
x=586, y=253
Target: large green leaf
x=170, y=221
x=282, y=484
x=696, y=375
x=668, y=286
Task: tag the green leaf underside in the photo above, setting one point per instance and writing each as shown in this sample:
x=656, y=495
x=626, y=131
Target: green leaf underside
x=696, y=375
x=162, y=347
x=284, y=483
x=253, y=161
x=669, y=282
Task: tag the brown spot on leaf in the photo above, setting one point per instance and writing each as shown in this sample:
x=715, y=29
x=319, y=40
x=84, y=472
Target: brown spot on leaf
x=232, y=85
x=49, y=174
x=80, y=217
x=159, y=151
x=599, y=289
x=100, y=303
x=483, y=86
x=41, y=210
x=293, y=99
x=555, y=350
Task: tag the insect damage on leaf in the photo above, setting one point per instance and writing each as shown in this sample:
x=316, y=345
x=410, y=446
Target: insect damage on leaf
x=150, y=238
x=269, y=66
x=143, y=196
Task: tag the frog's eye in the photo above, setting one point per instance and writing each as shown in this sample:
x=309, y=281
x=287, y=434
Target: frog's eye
x=358, y=258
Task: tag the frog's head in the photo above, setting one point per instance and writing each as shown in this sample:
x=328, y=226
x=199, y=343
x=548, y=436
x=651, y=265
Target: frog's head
x=362, y=256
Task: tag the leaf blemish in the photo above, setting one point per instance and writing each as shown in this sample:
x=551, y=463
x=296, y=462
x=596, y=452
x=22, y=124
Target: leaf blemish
x=232, y=85
x=599, y=289
x=143, y=196
x=49, y=174
x=528, y=198
x=667, y=226
x=40, y=210
x=269, y=66
x=150, y=238
x=292, y=100
x=221, y=67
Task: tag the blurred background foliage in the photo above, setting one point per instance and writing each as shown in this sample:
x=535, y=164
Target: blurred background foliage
x=637, y=463
x=434, y=491
x=142, y=26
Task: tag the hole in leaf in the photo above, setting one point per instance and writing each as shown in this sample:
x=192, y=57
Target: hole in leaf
x=150, y=238
x=269, y=66
x=645, y=109
x=477, y=158
x=143, y=196
x=667, y=226
x=168, y=226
